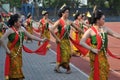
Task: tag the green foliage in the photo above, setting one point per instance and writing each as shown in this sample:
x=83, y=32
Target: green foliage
x=16, y=3
x=58, y=3
x=115, y=4
x=99, y=3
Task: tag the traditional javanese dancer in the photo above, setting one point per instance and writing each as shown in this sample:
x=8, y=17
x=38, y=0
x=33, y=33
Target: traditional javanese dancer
x=15, y=35
x=98, y=46
x=76, y=35
x=44, y=26
x=62, y=39
x=29, y=26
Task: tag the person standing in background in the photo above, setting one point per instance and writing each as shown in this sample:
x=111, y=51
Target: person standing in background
x=24, y=9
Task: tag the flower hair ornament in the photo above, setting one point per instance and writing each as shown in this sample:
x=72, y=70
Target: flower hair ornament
x=88, y=14
x=63, y=6
x=44, y=12
x=94, y=8
x=75, y=13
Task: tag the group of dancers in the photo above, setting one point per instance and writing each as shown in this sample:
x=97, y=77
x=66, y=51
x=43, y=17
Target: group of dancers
x=90, y=38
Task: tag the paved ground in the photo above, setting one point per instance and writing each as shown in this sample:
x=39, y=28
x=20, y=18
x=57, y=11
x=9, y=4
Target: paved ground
x=37, y=67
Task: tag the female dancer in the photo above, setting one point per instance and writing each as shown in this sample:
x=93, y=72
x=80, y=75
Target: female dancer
x=44, y=26
x=29, y=26
x=98, y=48
x=75, y=34
x=62, y=39
x=15, y=35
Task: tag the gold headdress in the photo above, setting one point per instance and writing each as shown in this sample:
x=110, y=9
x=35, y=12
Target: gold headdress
x=95, y=8
x=88, y=14
x=44, y=12
x=63, y=6
x=75, y=12
x=28, y=15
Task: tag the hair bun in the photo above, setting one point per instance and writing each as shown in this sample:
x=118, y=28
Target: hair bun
x=13, y=19
x=96, y=16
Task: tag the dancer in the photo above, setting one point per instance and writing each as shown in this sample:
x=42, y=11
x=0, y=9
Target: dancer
x=98, y=48
x=29, y=26
x=62, y=39
x=3, y=27
x=80, y=22
x=44, y=26
x=15, y=35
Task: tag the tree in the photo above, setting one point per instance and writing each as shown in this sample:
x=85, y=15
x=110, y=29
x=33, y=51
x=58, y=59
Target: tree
x=115, y=5
x=99, y=3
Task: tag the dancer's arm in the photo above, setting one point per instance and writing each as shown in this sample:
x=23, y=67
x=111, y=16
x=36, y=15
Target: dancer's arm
x=75, y=26
x=112, y=33
x=84, y=23
x=87, y=35
x=52, y=29
x=51, y=22
x=32, y=36
x=3, y=40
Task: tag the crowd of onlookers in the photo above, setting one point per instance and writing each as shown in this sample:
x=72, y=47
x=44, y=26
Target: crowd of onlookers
x=27, y=7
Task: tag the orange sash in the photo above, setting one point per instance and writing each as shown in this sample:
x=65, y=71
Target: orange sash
x=58, y=44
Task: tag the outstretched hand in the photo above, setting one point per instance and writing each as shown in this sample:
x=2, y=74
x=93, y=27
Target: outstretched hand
x=58, y=40
x=8, y=52
x=43, y=40
x=95, y=50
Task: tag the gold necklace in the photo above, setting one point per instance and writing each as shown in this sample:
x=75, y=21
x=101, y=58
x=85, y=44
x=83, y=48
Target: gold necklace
x=103, y=40
x=20, y=46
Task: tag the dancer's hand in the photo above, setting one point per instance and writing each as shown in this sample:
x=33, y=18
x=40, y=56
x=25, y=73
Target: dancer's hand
x=95, y=50
x=43, y=40
x=8, y=52
x=58, y=40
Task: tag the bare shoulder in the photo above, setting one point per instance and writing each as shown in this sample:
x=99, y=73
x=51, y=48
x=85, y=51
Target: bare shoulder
x=90, y=32
x=105, y=29
x=55, y=25
x=70, y=22
x=57, y=22
x=22, y=29
x=9, y=30
x=49, y=19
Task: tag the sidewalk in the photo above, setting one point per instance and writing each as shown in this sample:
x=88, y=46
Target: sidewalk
x=37, y=67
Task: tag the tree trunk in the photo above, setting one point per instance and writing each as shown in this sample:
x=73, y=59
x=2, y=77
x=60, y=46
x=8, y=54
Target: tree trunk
x=55, y=11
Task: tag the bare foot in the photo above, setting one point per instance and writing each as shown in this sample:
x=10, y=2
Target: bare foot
x=68, y=72
x=57, y=70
